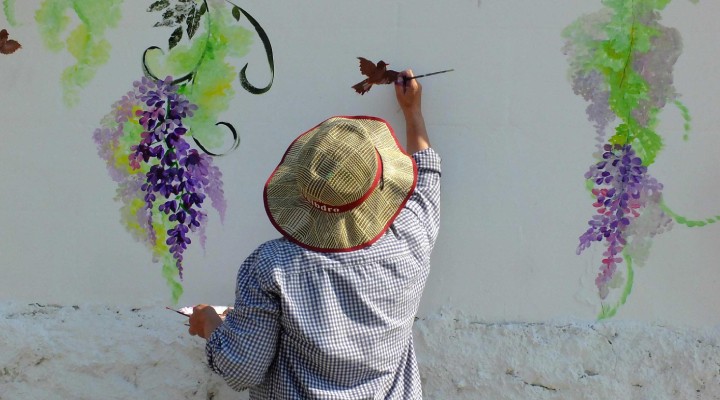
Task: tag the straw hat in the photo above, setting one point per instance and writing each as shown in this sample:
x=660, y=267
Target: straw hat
x=340, y=185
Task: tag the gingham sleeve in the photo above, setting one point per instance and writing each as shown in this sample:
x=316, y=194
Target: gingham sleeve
x=425, y=201
x=243, y=347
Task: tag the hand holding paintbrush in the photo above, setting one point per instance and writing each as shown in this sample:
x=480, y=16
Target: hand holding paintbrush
x=203, y=319
x=378, y=74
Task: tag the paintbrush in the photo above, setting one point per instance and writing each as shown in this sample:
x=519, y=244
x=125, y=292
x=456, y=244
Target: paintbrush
x=187, y=311
x=178, y=311
x=424, y=75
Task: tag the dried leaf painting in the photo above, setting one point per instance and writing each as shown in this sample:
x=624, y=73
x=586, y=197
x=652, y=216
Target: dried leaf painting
x=7, y=45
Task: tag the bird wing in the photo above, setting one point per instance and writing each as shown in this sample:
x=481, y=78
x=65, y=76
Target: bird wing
x=367, y=67
x=391, y=76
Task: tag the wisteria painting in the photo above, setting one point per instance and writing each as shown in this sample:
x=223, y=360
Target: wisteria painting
x=158, y=140
x=162, y=182
x=155, y=139
x=621, y=62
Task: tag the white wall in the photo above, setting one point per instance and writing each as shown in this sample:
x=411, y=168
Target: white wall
x=90, y=352
x=514, y=139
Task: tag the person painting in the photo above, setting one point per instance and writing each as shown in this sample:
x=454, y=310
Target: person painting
x=326, y=311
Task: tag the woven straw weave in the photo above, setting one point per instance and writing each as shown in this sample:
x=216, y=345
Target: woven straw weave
x=335, y=163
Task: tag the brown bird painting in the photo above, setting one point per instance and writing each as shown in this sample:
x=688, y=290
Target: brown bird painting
x=376, y=75
x=7, y=46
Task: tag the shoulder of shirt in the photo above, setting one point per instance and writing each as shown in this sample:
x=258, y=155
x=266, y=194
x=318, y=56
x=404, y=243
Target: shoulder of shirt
x=285, y=256
x=274, y=247
x=280, y=251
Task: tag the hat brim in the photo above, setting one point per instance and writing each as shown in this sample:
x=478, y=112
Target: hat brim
x=314, y=229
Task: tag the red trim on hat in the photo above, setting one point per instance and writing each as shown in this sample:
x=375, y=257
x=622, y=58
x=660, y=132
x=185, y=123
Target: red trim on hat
x=390, y=220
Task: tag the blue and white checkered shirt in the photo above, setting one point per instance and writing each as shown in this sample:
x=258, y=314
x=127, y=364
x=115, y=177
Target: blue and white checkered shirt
x=310, y=325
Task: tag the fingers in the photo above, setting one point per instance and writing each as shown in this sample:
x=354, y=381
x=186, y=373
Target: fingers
x=203, y=321
x=405, y=81
x=408, y=91
x=198, y=308
x=404, y=76
x=197, y=320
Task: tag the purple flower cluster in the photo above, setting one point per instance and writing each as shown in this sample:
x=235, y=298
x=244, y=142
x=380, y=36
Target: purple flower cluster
x=622, y=189
x=178, y=176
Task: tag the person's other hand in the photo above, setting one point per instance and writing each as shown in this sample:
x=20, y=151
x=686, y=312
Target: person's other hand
x=203, y=321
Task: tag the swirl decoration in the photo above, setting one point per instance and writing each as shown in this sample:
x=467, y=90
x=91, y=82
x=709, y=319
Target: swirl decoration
x=268, y=52
x=621, y=62
x=192, y=20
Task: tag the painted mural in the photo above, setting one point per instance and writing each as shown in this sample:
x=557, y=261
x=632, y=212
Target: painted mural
x=621, y=62
x=155, y=139
x=8, y=45
x=158, y=139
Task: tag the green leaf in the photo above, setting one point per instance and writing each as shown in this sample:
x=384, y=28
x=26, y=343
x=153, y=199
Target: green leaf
x=203, y=8
x=159, y=5
x=193, y=22
x=175, y=37
x=622, y=134
x=180, y=17
x=236, y=13
x=648, y=145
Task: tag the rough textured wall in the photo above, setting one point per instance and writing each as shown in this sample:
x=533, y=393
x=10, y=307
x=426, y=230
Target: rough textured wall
x=97, y=351
x=465, y=359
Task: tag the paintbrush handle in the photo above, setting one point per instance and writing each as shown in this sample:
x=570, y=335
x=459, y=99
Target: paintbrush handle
x=424, y=75
x=178, y=311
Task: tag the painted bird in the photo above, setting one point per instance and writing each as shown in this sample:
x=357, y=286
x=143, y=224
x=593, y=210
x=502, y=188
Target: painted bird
x=376, y=75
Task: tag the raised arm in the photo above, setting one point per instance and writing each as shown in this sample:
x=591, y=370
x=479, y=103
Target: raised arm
x=409, y=97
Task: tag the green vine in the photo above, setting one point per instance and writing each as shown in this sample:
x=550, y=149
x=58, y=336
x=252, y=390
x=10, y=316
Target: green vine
x=609, y=311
